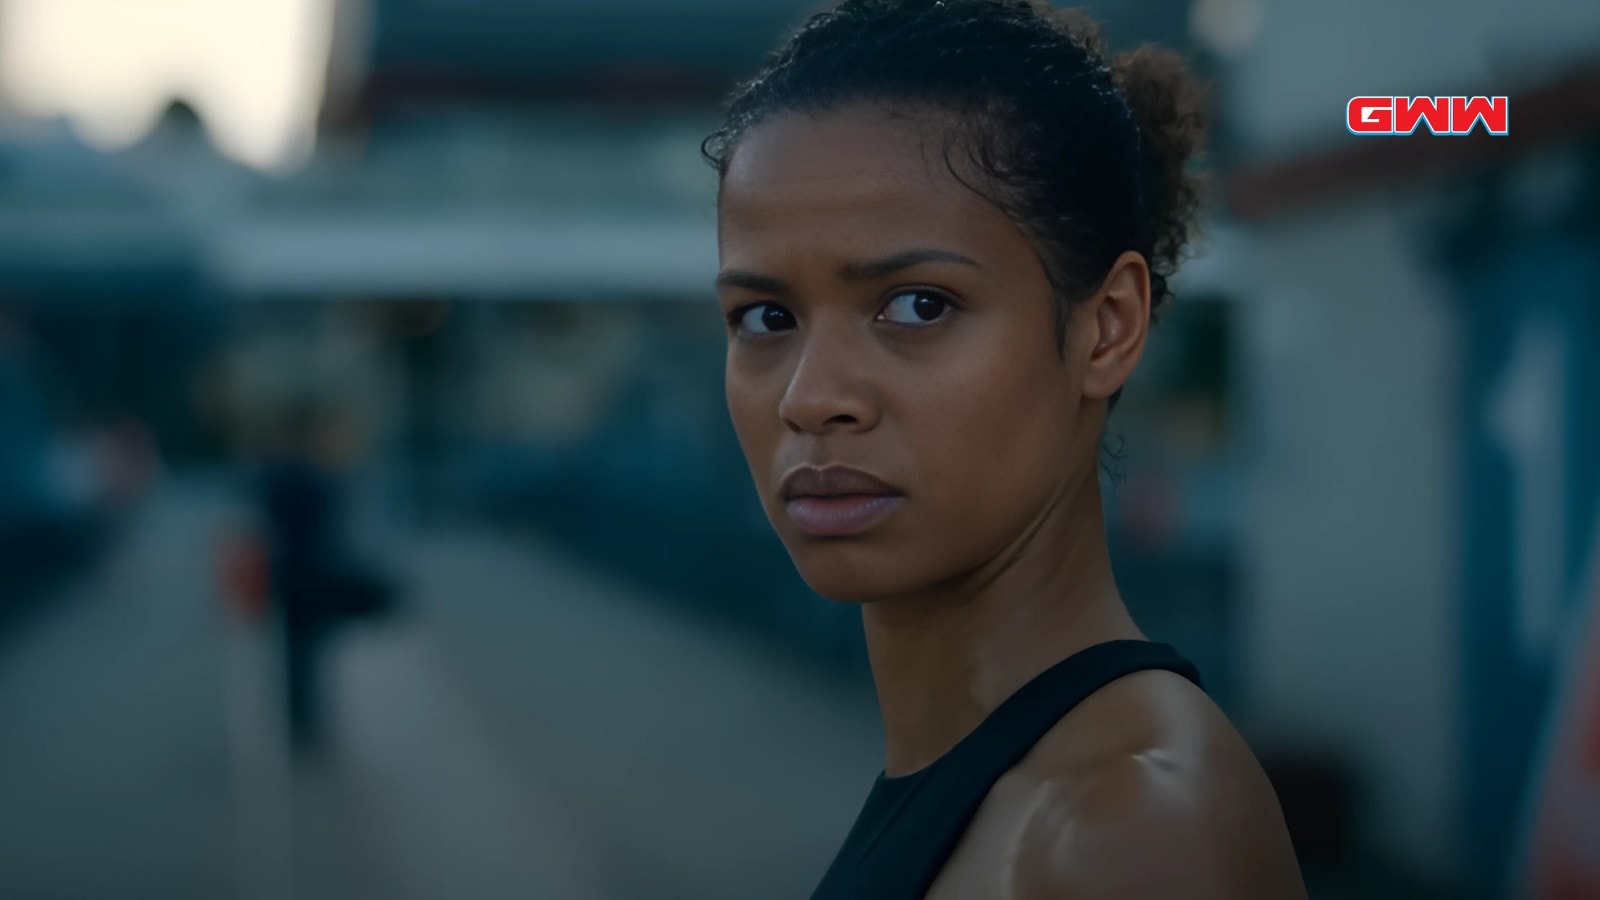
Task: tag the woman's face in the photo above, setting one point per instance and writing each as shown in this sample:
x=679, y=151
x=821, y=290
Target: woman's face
x=887, y=319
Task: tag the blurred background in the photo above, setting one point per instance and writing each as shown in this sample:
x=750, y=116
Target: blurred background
x=427, y=283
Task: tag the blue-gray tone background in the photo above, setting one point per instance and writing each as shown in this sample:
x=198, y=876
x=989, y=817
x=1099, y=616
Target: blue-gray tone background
x=1362, y=458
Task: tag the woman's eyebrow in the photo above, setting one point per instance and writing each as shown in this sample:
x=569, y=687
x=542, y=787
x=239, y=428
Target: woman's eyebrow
x=754, y=281
x=849, y=271
x=905, y=259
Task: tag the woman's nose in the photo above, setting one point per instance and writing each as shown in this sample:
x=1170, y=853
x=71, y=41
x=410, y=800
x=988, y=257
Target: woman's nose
x=829, y=389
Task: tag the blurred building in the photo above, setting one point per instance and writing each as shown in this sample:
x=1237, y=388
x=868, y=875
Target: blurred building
x=1418, y=319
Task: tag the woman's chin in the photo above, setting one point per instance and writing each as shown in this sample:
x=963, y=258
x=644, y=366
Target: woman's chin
x=851, y=581
x=858, y=568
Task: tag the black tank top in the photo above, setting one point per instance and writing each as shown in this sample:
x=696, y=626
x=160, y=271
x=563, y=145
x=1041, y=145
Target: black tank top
x=911, y=824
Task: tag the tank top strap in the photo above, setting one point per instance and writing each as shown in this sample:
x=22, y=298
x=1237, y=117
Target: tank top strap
x=1008, y=733
x=910, y=824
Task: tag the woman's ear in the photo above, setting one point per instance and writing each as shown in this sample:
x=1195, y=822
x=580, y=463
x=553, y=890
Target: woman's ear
x=1114, y=322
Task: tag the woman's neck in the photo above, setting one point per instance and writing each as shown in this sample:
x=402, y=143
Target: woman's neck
x=944, y=659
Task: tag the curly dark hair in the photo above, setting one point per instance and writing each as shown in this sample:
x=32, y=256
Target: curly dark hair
x=1089, y=155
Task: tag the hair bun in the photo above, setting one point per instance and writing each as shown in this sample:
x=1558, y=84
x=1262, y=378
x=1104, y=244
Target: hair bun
x=1172, y=111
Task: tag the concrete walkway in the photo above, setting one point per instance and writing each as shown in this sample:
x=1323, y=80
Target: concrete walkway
x=531, y=728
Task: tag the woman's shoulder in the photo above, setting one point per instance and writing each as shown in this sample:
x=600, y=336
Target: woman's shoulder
x=1143, y=790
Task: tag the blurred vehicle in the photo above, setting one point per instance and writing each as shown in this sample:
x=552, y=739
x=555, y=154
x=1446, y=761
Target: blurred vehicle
x=60, y=489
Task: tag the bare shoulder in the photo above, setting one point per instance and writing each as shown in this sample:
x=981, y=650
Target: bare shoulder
x=1145, y=790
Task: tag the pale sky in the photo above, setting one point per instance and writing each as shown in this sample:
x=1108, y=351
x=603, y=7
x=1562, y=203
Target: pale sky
x=254, y=70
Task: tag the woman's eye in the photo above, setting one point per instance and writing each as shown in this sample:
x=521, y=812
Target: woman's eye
x=763, y=318
x=915, y=308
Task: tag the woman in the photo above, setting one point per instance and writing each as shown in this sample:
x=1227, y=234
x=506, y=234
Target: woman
x=944, y=227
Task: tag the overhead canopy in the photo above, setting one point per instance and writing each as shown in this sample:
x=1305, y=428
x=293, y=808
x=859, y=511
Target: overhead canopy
x=666, y=258
x=73, y=225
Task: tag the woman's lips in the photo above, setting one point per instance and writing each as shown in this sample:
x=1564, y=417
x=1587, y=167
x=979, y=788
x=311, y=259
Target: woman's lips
x=840, y=515
x=836, y=500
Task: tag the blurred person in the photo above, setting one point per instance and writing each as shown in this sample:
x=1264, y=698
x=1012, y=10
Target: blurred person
x=127, y=449
x=944, y=229
x=312, y=580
